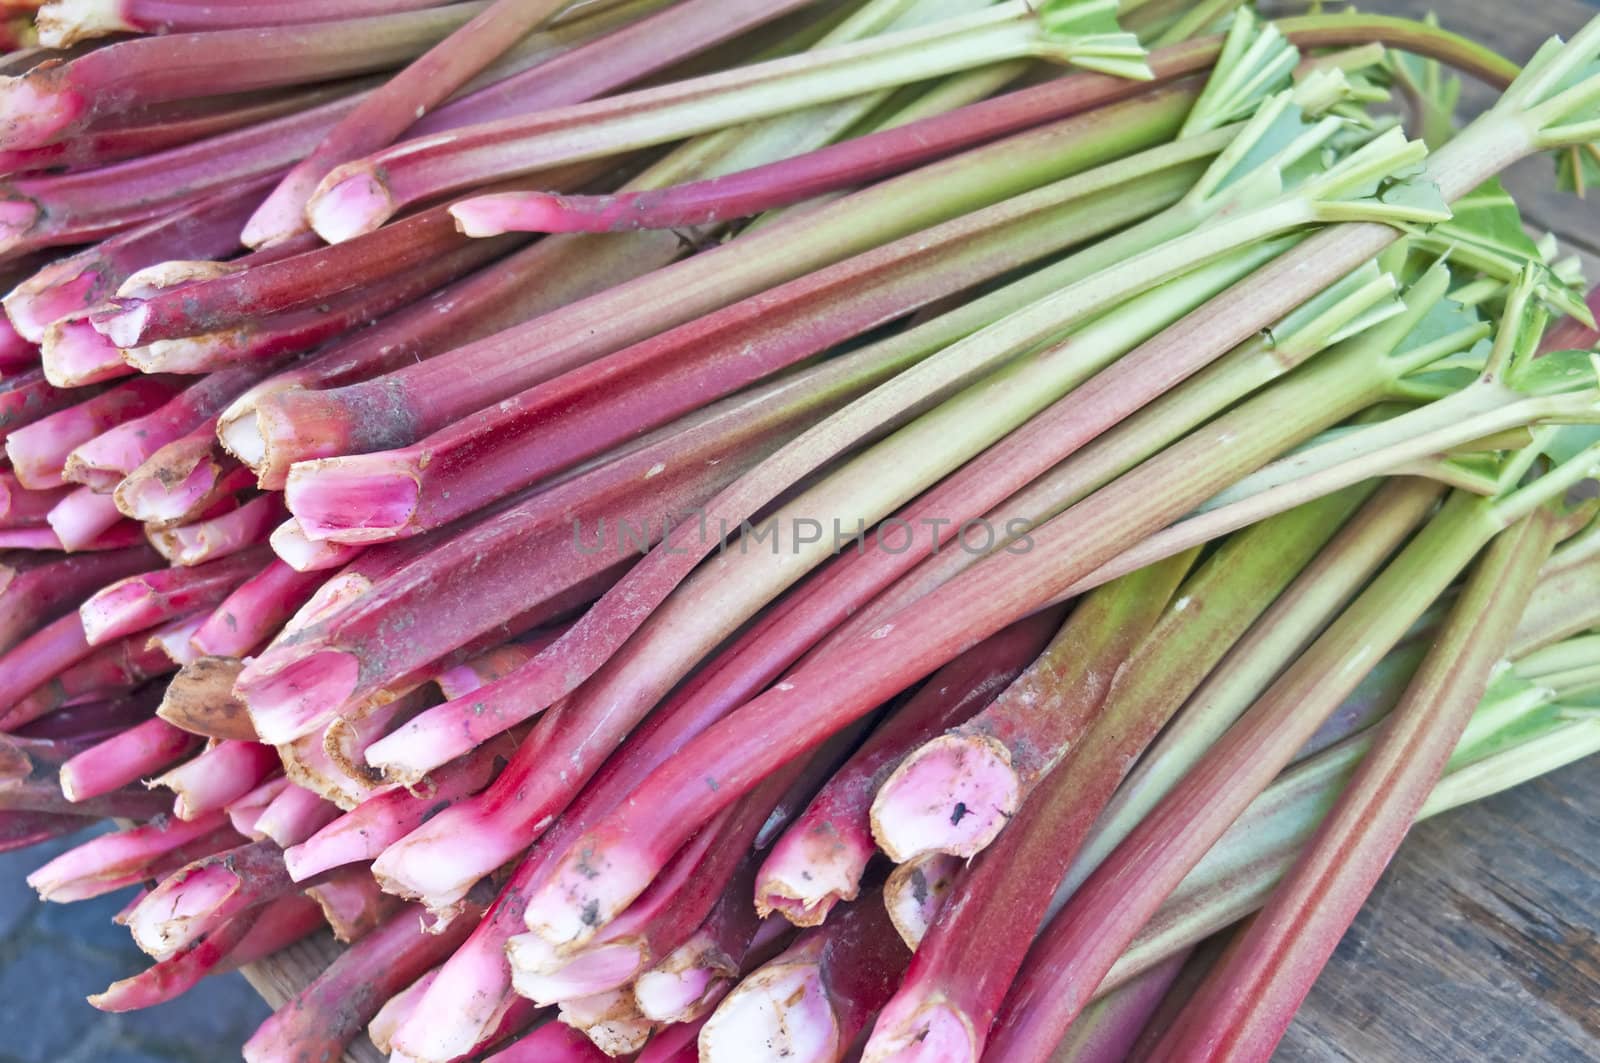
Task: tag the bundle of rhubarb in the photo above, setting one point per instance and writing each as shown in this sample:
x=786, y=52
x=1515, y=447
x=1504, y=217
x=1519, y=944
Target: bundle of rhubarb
x=779, y=530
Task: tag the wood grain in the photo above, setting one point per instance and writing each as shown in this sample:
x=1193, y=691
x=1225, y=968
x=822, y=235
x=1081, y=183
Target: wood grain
x=1482, y=940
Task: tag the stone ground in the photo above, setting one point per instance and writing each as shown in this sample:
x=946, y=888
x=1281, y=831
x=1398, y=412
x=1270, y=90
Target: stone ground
x=52, y=956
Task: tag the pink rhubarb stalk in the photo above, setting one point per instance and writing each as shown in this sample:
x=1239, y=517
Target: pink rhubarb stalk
x=386, y=113
x=206, y=229
x=820, y=859
x=274, y=424
x=207, y=540
x=110, y=670
x=112, y=861
x=38, y=451
x=140, y=602
x=188, y=479
x=294, y=815
x=28, y=396
x=220, y=775
x=814, y=999
x=21, y=507
x=57, y=209
x=65, y=22
x=362, y=833
x=132, y=755
x=351, y=903
x=255, y=611
x=34, y=594
x=201, y=896
x=38, y=658
x=103, y=461
x=82, y=517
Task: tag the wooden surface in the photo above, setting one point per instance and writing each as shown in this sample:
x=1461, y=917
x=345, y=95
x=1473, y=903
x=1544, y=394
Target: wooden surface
x=1482, y=941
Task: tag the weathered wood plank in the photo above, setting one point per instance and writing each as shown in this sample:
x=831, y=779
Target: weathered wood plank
x=1482, y=940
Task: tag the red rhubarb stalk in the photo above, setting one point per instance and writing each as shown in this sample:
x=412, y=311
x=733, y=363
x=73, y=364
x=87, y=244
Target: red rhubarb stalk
x=36, y=659
x=329, y=1013
x=103, y=461
x=23, y=508
x=351, y=903
x=554, y=1042
x=294, y=815
x=462, y=679
x=244, y=811
x=384, y=818
x=73, y=354
x=387, y=112
x=65, y=22
x=187, y=479
x=306, y=556
x=272, y=337
x=81, y=517
x=130, y=135
x=33, y=594
x=630, y=53
x=173, y=638
x=814, y=999
x=298, y=281
x=53, y=210
x=513, y=360
x=956, y=792
x=28, y=396
x=532, y=434
x=277, y=423
x=205, y=229
x=55, y=99
x=244, y=939
x=820, y=860
x=1247, y=1001
x=110, y=670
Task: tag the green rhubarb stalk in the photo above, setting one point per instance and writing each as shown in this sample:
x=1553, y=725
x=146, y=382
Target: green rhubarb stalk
x=1240, y=871
x=1246, y=1003
x=1105, y=913
x=1362, y=300
x=1292, y=621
